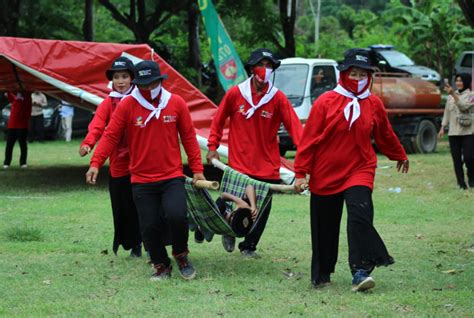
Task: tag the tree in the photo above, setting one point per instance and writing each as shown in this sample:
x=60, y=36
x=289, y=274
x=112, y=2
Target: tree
x=287, y=19
x=88, y=25
x=143, y=20
x=194, y=53
x=436, y=31
x=9, y=18
x=467, y=7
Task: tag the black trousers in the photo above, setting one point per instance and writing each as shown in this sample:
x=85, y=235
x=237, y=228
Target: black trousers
x=12, y=136
x=126, y=224
x=162, y=204
x=462, y=149
x=251, y=240
x=37, y=128
x=366, y=248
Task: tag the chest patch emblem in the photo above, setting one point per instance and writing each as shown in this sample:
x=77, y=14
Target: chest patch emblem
x=139, y=121
x=169, y=119
x=241, y=109
x=266, y=114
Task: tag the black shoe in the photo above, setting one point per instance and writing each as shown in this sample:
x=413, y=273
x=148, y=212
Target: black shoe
x=198, y=237
x=228, y=242
x=463, y=186
x=162, y=272
x=136, y=251
x=249, y=254
x=323, y=280
x=186, y=269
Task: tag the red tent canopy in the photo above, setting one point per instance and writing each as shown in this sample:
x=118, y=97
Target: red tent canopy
x=75, y=71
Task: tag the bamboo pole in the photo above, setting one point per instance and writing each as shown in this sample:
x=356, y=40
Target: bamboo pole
x=206, y=184
x=275, y=187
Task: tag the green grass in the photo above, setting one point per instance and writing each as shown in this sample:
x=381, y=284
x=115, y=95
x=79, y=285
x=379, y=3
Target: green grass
x=53, y=229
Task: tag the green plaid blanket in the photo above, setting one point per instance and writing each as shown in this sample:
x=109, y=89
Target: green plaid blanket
x=204, y=211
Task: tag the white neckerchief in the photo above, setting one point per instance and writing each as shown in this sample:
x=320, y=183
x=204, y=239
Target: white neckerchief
x=155, y=111
x=116, y=94
x=246, y=92
x=354, y=104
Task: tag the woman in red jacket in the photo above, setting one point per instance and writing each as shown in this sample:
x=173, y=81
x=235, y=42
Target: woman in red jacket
x=155, y=121
x=126, y=225
x=336, y=152
x=20, y=114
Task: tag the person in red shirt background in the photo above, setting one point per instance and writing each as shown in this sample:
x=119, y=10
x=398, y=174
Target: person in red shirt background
x=126, y=225
x=336, y=152
x=256, y=109
x=20, y=114
x=154, y=121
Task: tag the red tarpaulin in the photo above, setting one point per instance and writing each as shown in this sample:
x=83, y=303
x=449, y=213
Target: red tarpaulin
x=75, y=71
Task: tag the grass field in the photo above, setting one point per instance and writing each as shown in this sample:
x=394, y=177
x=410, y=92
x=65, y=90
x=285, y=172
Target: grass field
x=56, y=259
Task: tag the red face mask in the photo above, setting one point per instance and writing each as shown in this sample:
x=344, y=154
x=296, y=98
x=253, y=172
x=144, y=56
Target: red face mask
x=354, y=86
x=146, y=93
x=262, y=74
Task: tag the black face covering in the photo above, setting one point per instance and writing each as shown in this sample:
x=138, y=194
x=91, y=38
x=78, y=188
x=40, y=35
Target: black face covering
x=466, y=81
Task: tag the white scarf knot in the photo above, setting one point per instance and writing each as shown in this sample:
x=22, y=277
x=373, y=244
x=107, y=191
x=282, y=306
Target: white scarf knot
x=354, y=104
x=155, y=111
x=246, y=92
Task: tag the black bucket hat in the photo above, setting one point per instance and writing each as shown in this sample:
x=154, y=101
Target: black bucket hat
x=147, y=72
x=260, y=54
x=357, y=58
x=120, y=64
x=240, y=220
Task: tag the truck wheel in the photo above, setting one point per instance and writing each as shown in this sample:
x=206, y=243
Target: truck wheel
x=426, y=139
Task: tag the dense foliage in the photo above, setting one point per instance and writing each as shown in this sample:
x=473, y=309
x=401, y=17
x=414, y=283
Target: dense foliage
x=431, y=32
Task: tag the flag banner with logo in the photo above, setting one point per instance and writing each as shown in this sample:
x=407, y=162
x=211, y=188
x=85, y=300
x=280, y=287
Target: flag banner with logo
x=229, y=67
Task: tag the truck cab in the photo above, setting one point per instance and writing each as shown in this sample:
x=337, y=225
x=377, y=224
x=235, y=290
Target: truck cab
x=303, y=80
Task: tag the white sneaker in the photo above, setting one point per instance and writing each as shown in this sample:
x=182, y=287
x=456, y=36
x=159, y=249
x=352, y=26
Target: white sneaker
x=24, y=166
x=6, y=166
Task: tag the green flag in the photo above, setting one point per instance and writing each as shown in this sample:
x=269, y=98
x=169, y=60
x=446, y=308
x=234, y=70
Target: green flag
x=229, y=67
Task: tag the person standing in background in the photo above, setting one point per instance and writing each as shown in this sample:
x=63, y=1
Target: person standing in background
x=17, y=126
x=67, y=113
x=38, y=101
x=459, y=117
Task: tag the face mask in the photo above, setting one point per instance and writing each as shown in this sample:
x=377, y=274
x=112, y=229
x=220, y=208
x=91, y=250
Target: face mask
x=150, y=94
x=155, y=92
x=262, y=74
x=354, y=86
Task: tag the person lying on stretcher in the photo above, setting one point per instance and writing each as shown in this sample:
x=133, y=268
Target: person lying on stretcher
x=240, y=213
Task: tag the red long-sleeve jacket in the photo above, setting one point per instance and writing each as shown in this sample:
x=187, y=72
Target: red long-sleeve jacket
x=20, y=111
x=155, y=152
x=119, y=158
x=337, y=158
x=253, y=143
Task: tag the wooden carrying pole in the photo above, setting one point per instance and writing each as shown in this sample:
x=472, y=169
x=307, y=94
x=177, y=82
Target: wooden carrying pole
x=205, y=184
x=275, y=187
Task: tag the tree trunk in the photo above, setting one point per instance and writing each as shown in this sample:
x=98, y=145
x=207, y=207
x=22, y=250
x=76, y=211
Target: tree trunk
x=9, y=16
x=287, y=18
x=88, y=25
x=467, y=7
x=194, y=52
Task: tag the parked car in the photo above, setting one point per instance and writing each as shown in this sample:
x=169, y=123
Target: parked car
x=463, y=64
x=52, y=119
x=391, y=61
